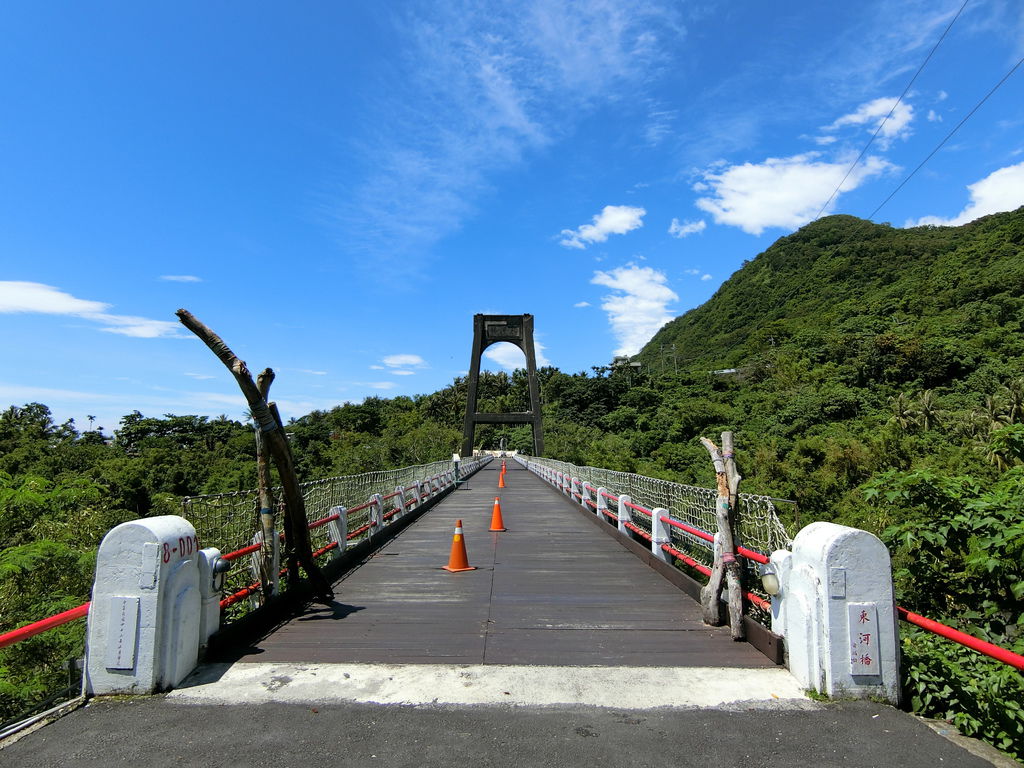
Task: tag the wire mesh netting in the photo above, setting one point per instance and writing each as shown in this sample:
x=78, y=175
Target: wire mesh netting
x=230, y=521
x=758, y=523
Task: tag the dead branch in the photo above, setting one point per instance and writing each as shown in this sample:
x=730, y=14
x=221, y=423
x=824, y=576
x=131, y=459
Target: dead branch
x=727, y=481
x=296, y=524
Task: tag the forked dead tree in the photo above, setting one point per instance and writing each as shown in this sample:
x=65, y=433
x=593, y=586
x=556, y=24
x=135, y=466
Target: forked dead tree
x=298, y=549
x=268, y=505
x=727, y=479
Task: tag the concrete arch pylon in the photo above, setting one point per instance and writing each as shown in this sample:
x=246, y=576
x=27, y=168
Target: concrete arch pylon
x=517, y=330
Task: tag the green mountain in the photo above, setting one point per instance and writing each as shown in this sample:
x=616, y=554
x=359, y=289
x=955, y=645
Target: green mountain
x=921, y=306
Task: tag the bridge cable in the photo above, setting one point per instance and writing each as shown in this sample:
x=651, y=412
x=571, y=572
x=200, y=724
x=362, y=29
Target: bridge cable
x=947, y=137
x=891, y=111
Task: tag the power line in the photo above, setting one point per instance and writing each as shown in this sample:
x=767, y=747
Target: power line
x=891, y=111
x=947, y=138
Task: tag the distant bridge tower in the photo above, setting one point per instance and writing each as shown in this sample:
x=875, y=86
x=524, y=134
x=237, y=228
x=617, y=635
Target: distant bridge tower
x=518, y=330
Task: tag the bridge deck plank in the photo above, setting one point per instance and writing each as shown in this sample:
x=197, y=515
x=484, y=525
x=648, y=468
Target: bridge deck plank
x=550, y=590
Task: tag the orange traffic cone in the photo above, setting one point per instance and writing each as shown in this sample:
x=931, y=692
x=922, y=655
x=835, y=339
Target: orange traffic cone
x=457, y=560
x=497, y=524
x=501, y=480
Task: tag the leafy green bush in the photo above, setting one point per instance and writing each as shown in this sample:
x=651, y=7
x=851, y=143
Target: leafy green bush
x=981, y=697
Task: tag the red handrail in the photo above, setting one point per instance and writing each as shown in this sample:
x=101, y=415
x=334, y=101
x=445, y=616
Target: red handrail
x=688, y=528
x=324, y=521
x=981, y=646
x=241, y=552
x=38, y=627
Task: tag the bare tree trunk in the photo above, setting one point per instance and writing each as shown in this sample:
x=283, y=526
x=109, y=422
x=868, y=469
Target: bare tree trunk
x=268, y=570
x=727, y=480
x=296, y=524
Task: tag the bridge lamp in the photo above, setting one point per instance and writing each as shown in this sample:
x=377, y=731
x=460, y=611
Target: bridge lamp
x=770, y=579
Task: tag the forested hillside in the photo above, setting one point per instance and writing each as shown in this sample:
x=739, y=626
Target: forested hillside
x=873, y=375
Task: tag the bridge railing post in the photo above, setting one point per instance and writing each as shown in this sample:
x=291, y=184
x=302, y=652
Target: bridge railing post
x=625, y=514
x=376, y=513
x=602, y=503
x=584, y=493
x=399, y=501
x=145, y=618
x=837, y=610
x=661, y=533
x=574, y=487
x=338, y=530
x=211, y=589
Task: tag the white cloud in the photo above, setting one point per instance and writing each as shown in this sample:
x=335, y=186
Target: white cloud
x=705, y=276
x=612, y=220
x=1001, y=190
x=382, y=384
x=311, y=372
x=934, y=117
x=510, y=357
x=377, y=368
x=824, y=141
x=26, y=297
x=37, y=298
x=139, y=327
x=640, y=306
x=942, y=96
x=11, y=393
x=872, y=113
x=182, y=278
x=582, y=304
x=199, y=376
x=659, y=125
x=691, y=271
x=403, y=361
x=682, y=229
x=399, y=372
x=780, y=192
x=476, y=88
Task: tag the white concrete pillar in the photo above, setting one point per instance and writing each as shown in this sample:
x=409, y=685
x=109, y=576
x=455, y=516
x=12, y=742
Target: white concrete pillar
x=211, y=589
x=143, y=630
x=661, y=533
x=837, y=611
x=376, y=513
x=584, y=493
x=625, y=514
x=602, y=503
x=338, y=530
x=399, y=501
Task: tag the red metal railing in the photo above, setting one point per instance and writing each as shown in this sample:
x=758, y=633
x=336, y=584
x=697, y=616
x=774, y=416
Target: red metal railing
x=256, y=586
x=981, y=646
x=38, y=627
x=991, y=650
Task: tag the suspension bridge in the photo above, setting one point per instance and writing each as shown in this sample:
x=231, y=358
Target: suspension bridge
x=571, y=639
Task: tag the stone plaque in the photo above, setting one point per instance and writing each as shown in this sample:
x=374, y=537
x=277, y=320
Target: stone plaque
x=503, y=330
x=837, y=582
x=863, y=639
x=124, y=620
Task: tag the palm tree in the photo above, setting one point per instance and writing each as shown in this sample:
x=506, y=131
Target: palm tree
x=902, y=413
x=1013, y=394
x=927, y=414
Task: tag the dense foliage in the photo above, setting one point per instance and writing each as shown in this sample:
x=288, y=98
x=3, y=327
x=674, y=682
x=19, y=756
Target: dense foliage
x=874, y=375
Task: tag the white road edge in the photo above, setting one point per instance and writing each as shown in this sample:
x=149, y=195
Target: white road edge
x=418, y=684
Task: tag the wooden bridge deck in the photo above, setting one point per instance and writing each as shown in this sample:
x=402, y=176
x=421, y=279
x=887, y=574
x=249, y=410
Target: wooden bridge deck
x=552, y=590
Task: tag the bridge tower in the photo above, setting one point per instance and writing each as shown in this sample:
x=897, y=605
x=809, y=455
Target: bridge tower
x=518, y=330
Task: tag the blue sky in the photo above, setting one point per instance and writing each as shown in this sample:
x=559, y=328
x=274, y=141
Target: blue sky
x=337, y=187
